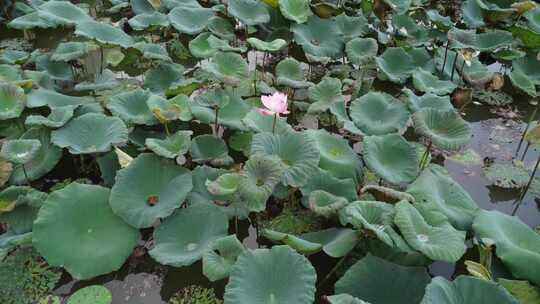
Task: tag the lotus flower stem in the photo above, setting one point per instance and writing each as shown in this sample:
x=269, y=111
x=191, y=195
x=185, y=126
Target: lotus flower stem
x=524, y=191
x=216, y=126
x=25, y=174
x=526, y=128
x=425, y=156
x=454, y=67
x=445, y=57
x=255, y=74
x=525, y=152
x=462, y=71
x=274, y=124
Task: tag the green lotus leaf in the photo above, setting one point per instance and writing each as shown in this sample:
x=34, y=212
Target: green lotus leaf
x=416, y=103
x=533, y=19
x=438, y=241
x=523, y=291
x=220, y=257
x=223, y=45
x=493, y=98
x=352, y=26
x=325, y=94
x=326, y=204
x=435, y=186
x=270, y=46
x=297, y=151
x=183, y=238
x=391, y=157
x=209, y=148
x=378, y=113
x=190, y=20
x=62, y=13
x=142, y=22
x=54, y=237
x=373, y=216
x=200, y=46
x=56, y=70
x=249, y=12
x=446, y=129
x=518, y=246
x=368, y=280
x=441, y=22
x=415, y=33
x=160, y=78
x=468, y=290
x=142, y=6
x=295, y=10
x=44, y=97
x=262, y=174
x=299, y=245
x=90, y=133
x=172, y=146
x=103, y=33
x=230, y=68
x=489, y=41
x=12, y=101
x=258, y=276
x=319, y=37
x=19, y=206
x=44, y=161
x=522, y=81
x=289, y=73
x=258, y=123
x=337, y=157
x=509, y=54
x=494, y=10
x=167, y=110
x=426, y=82
x=336, y=242
x=361, y=50
x=20, y=151
x=386, y=194
x=507, y=175
x=131, y=107
x=472, y=14
x=232, y=108
x=324, y=180
x=344, y=299
x=226, y=184
x=67, y=51
x=95, y=294
x=395, y=64
x=141, y=201
x=13, y=56
x=399, y=6
x=105, y=80
x=221, y=27
x=10, y=73
x=152, y=51
x=30, y=21
x=56, y=119
x=525, y=75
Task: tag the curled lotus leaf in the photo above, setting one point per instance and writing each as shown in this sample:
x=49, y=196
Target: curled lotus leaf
x=525, y=75
x=517, y=245
x=164, y=110
x=361, y=50
x=172, y=146
x=221, y=27
x=141, y=201
x=131, y=107
x=200, y=46
x=90, y=133
x=326, y=204
x=386, y=194
x=56, y=118
x=336, y=242
x=231, y=68
x=223, y=45
x=62, y=13
x=416, y=103
x=190, y=20
x=523, y=291
x=250, y=12
x=102, y=81
x=12, y=101
x=300, y=245
x=426, y=82
x=149, y=21
x=445, y=129
x=225, y=184
x=19, y=206
x=95, y=294
x=296, y=10
x=54, y=238
x=20, y=151
x=152, y=51
x=378, y=113
x=209, y=148
x=289, y=73
x=395, y=64
x=30, y=21
x=324, y=180
x=323, y=95
x=319, y=37
x=258, y=122
x=344, y=299
x=391, y=157
x=296, y=150
x=183, y=238
x=221, y=256
x=232, y=108
x=267, y=46
x=488, y=41
x=67, y=51
x=373, y=216
x=44, y=97
x=258, y=276
x=103, y=33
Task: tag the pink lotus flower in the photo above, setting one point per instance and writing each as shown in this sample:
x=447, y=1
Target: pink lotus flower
x=275, y=104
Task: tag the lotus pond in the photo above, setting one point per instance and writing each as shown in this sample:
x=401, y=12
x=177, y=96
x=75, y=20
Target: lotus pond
x=269, y=152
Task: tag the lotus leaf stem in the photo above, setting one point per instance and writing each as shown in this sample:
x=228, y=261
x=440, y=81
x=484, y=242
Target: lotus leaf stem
x=25, y=174
x=454, y=67
x=533, y=114
x=445, y=57
x=425, y=156
x=167, y=129
x=525, y=152
x=524, y=191
x=216, y=126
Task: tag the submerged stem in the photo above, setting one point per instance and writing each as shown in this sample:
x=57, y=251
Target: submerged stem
x=524, y=191
x=526, y=128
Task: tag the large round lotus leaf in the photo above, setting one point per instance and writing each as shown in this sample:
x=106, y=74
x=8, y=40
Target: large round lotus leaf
x=463, y=39
x=446, y=129
x=164, y=110
x=67, y=51
x=337, y=157
x=182, y=239
x=56, y=118
x=296, y=10
x=14, y=56
x=525, y=73
x=30, y=21
x=43, y=97
x=144, y=21
x=416, y=103
x=221, y=27
x=370, y=215
x=289, y=73
x=336, y=242
x=200, y=46
x=399, y=6
x=472, y=14
x=221, y=256
x=435, y=186
x=148, y=189
x=62, y=13
x=270, y=46
x=172, y=146
x=517, y=245
x=297, y=151
x=426, y=82
x=103, y=33
x=152, y=51
x=209, y=148
x=259, y=122
x=249, y=12
x=319, y=37
x=232, y=108
x=395, y=64
x=507, y=175
x=105, y=80
x=523, y=291
x=190, y=20
x=324, y=95
x=325, y=204
x=276, y=275
x=131, y=107
x=324, y=180
x=466, y=290
x=160, y=78
x=44, y=161
x=95, y=294
x=20, y=151
x=369, y=280
x=223, y=45
x=56, y=70
x=438, y=241
x=12, y=101
x=378, y=113
x=90, y=133
x=361, y=50
x=225, y=184
x=19, y=206
x=231, y=68
x=344, y=299
x=74, y=243
x=352, y=26
x=391, y=157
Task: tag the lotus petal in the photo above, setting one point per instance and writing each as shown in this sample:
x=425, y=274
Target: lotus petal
x=172, y=146
x=296, y=10
x=183, y=238
x=319, y=37
x=416, y=103
x=249, y=12
x=12, y=101
x=428, y=83
x=220, y=257
x=258, y=277
x=489, y=41
x=103, y=33
x=446, y=129
x=190, y=20
x=230, y=68
x=140, y=200
x=361, y=50
x=54, y=237
x=378, y=113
